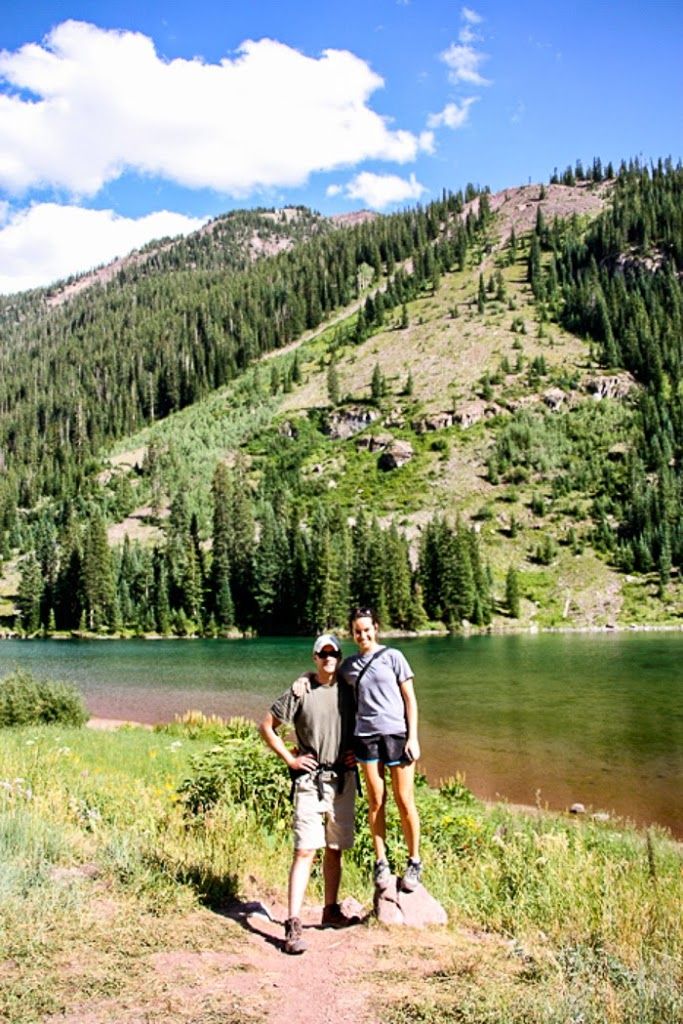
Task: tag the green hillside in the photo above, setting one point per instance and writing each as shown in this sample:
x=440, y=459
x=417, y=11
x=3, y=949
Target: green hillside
x=467, y=413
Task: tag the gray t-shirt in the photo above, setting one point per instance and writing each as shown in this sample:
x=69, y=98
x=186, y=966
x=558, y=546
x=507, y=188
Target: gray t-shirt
x=380, y=706
x=322, y=719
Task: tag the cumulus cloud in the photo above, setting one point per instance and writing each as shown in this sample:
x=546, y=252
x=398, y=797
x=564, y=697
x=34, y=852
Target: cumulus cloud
x=463, y=62
x=46, y=241
x=463, y=58
x=88, y=104
x=470, y=16
x=453, y=115
x=380, y=190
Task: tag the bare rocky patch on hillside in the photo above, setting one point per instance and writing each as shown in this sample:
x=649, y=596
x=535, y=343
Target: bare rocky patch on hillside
x=518, y=207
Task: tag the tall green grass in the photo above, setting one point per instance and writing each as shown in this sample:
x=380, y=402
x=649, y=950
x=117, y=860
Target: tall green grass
x=583, y=918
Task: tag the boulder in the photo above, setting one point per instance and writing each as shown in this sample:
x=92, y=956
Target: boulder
x=344, y=424
x=287, y=429
x=554, y=398
x=395, y=419
x=472, y=412
x=395, y=456
x=435, y=421
x=375, y=442
x=416, y=909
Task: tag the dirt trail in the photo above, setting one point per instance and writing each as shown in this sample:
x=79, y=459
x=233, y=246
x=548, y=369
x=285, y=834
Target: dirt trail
x=246, y=978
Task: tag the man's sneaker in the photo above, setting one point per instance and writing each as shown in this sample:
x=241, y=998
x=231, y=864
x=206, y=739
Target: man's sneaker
x=382, y=874
x=334, y=917
x=412, y=875
x=294, y=940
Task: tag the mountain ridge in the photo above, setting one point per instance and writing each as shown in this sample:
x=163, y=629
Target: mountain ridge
x=458, y=355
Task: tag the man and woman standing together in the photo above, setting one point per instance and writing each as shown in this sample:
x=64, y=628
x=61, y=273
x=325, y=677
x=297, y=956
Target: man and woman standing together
x=361, y=709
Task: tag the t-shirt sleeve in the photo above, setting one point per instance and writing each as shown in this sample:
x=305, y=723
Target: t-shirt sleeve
x=286, y=707
x=400, y=665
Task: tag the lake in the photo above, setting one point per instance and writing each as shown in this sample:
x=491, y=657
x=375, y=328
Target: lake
x=544, y=718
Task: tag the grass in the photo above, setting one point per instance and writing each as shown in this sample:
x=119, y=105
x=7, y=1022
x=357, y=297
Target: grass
x=101, y=868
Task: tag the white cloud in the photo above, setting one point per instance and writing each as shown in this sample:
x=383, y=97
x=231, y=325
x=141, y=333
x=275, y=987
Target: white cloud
x=103, y=102
x=380, y=190
x=464, y=62
x=46, y=242
x=453, y=115
x=427, y=144
x=334, y=190
x=470, y=16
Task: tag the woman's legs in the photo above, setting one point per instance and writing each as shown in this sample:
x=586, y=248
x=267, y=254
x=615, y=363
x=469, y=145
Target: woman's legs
x=402, y=783
x=377, y=797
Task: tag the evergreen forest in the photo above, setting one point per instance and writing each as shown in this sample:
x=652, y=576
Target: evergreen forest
x=199, y=392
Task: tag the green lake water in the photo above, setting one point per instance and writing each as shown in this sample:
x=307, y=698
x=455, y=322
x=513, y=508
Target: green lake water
x=549, y=718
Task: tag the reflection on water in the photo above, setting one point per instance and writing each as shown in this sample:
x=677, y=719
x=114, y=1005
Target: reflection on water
x=596, y=718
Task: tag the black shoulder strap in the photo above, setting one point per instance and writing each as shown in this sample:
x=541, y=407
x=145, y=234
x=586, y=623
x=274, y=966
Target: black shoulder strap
x=366, y=666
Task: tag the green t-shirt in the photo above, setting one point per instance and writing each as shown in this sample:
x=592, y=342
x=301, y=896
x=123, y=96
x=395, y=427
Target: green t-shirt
x=323, y=719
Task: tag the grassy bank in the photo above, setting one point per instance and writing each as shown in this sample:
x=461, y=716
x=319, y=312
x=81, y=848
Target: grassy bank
x=114, y=846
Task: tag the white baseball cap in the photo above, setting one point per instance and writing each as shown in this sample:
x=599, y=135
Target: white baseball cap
x=326, y=640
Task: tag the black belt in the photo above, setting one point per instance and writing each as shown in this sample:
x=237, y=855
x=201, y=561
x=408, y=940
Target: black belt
x=338, y=769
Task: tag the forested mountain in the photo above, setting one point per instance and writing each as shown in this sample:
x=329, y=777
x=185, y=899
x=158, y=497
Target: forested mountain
x=467, y=411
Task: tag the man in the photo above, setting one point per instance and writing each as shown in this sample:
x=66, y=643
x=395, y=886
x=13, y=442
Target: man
x=324, y=784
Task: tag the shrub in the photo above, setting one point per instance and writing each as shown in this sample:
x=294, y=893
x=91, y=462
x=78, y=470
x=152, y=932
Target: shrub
x=241, y=771
x=28, y=701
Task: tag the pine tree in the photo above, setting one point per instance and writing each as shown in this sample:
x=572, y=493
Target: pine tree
x=30, y=593
x=512, y=592
x=333, y=390
x=405, y=319
x=481, y=295
x=220, y=601
x=99, y=589
x=377, y=385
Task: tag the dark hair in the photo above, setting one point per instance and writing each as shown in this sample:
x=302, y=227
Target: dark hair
x=363, y=612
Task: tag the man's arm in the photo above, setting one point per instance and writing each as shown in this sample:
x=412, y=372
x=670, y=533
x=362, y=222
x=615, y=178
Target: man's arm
x=410, y=701
x=297, y=762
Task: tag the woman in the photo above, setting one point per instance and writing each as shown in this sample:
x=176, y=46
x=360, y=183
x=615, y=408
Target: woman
x=385, y=736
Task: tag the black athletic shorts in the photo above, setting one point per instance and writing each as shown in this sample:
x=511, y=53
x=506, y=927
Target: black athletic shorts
x=390, y=750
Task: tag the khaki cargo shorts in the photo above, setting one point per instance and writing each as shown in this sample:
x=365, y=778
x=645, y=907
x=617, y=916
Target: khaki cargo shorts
x=327, y=822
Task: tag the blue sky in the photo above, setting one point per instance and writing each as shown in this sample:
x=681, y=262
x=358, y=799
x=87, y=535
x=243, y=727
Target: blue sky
x=120, y=122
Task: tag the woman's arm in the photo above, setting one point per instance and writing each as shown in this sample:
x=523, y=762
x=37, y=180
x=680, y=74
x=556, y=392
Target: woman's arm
x=410, y=701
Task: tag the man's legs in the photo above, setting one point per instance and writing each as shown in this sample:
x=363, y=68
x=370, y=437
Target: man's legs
x=299, y=873
x=332, y=874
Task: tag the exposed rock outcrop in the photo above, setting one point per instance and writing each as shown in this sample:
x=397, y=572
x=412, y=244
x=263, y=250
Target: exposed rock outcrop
x=554, y=398
x=375, y=442
x=472, y=412
x=347, y=422
x=435, y=421
x=416, y=909
x=616, y=385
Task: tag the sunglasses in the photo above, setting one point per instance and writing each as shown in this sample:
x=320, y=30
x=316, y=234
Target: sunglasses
x=328, y=654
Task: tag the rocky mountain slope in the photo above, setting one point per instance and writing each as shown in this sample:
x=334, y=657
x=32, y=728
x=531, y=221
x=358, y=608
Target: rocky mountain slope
x=469, y=401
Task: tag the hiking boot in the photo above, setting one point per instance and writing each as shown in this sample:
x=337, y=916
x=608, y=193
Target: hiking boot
x=334, y=917
x=412, y=875
x=382, y=874
x=294, y=940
